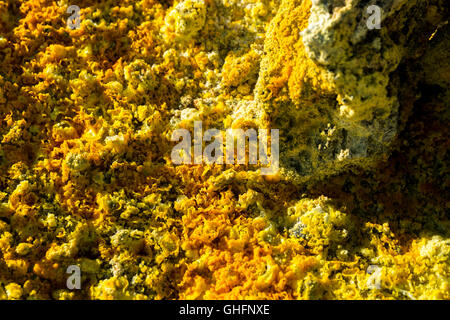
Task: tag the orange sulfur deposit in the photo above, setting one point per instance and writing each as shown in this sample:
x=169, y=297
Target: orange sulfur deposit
x=86, y=177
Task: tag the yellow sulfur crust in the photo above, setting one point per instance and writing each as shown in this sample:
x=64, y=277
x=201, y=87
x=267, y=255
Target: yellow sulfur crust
x=86, y=178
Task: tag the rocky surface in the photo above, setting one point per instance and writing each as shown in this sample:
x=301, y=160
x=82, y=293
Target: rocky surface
x=358, y=211
x=329, y=80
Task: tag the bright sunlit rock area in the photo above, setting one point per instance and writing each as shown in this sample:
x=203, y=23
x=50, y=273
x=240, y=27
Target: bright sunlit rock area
x=359, y=208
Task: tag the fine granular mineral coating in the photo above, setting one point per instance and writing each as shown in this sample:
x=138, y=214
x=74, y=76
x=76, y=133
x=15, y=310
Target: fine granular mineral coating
x=359, y=207
x=331, y=82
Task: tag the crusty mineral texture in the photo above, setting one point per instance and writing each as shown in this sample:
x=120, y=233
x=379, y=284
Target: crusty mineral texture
x=359, y=209
x=326, y=79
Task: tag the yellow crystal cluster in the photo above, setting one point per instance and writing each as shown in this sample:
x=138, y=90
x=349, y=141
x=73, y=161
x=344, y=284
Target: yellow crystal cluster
x=86, y=178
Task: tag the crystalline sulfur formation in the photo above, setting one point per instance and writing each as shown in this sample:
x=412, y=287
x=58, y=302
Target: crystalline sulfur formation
x=359, y=209
x=331, y=80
